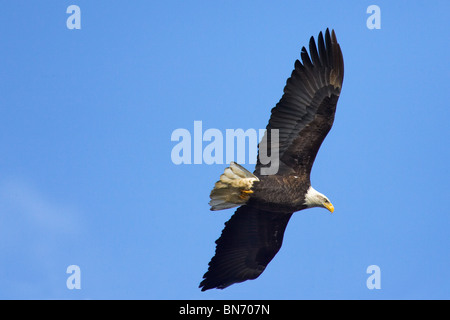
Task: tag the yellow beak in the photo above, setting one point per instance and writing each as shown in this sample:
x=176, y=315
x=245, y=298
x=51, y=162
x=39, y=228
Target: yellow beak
x=329, y=206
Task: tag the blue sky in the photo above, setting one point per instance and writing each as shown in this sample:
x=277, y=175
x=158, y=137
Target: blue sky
x=86, y=176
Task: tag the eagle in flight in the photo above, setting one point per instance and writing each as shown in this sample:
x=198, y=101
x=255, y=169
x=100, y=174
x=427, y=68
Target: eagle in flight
x=300, y=122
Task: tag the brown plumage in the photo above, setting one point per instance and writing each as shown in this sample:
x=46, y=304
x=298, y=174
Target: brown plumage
x=303, y=118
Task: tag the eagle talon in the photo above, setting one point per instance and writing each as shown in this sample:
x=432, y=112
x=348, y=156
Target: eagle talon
x=245, y=194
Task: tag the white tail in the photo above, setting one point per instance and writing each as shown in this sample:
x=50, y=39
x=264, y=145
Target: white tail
x=233, y=189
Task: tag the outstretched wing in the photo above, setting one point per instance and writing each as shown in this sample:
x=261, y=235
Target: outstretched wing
x=305, y=113
x=249, y=241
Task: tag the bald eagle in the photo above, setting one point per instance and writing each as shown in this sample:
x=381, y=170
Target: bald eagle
x=303, y=117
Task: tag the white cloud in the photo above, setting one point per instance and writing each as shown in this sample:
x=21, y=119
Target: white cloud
x=36, y=208
x=35, y=234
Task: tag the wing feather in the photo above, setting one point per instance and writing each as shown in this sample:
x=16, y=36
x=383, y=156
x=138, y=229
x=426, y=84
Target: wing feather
x=249, y=241
x=308, y=103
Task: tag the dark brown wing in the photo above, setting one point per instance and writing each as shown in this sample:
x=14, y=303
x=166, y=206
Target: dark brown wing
x=305, y=113
x=249, y=241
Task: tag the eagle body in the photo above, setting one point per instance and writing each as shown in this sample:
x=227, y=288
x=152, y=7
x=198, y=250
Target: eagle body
x=298, y=124
x=284, y=194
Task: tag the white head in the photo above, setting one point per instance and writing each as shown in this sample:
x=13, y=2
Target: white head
x=314, y=198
